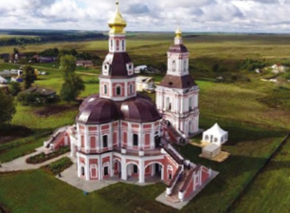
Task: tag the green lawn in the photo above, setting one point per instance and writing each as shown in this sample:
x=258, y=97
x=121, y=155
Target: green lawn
x=269, y=193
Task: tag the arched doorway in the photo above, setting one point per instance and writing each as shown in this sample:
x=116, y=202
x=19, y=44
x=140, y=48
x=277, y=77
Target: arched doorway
x=117, y=168
x=132, y=171
x=154, y=171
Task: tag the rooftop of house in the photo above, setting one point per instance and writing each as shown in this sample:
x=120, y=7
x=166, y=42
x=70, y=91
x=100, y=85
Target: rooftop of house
x=40, y=90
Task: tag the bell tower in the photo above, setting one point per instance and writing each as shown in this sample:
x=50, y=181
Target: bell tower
x=117, y=80
x=177, y=94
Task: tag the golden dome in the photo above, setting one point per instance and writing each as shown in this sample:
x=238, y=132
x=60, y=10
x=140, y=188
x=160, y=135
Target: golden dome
x=178, y=33
x=117, y=23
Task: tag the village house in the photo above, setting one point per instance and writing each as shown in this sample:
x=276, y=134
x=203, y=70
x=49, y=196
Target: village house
x=84, y=63
x=16, y=57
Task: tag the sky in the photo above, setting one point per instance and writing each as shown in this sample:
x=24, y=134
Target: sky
x=149, y=15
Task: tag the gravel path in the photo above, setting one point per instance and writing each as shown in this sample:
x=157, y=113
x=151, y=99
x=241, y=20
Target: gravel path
x=20, y=163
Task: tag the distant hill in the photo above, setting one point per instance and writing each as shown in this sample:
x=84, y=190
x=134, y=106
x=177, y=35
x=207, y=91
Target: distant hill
x=24, y=37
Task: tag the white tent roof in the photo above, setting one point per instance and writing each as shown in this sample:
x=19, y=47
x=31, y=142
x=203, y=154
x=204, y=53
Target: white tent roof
x=216, y=130
x=3, y=79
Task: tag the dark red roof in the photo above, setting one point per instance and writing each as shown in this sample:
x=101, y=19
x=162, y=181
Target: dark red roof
x=98, y=111
x=95, y=110
x=88, y=101
x=181, y=82
x=178, y=48
x=118, y=67
x=139, y=110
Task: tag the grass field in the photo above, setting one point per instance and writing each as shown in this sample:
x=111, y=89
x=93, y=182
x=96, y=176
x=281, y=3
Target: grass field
x=269, y=192
x=256, y=114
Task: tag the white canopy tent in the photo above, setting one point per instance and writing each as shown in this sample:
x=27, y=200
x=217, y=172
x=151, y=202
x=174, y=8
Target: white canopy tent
x=215, y=135
x=3, y=80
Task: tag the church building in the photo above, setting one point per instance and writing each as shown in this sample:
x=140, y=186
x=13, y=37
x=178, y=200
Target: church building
x=120, y=133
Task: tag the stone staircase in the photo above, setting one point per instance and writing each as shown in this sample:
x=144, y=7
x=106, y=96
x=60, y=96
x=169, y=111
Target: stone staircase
x=173, y=198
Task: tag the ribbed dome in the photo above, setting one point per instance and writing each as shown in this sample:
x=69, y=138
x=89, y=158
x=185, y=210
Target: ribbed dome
x=140, y=110
x=98, y=111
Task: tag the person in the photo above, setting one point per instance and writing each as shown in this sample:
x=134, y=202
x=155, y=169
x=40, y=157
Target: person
x=59, y=175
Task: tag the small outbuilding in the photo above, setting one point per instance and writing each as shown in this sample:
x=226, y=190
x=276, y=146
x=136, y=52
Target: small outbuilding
x=215, y=135
x=211, y=151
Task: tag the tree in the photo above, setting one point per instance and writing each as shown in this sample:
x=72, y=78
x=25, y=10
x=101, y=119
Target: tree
x=7, y=108
x=67, y=65
x=73, y=84
x=28, y=77
x=14, y=88
x=71, y=88
x=15, y=51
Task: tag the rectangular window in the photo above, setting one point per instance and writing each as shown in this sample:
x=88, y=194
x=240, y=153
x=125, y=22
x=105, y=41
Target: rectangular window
x=135, y=140
x=105, y=141
x=106, y=171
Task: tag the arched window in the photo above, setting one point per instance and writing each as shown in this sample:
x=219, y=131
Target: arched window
x=190, y=104
x=111, y=44
x=105, y=89
x=131, y=89
x=118, y=90
x=123, y=44
x=117, y=44
x=135, y=140
x=185, y=65
x=206, y=137
x=105, y=141
x=173, y=66
x=168, y=104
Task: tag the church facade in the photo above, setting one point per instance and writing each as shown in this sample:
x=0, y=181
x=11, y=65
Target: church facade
x=120, y=133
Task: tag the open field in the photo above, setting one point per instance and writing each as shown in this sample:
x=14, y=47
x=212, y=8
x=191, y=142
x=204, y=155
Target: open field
x=256, y=114
x=270, y=191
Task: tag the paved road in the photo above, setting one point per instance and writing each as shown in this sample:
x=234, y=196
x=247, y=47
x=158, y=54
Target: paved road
x=20, y=163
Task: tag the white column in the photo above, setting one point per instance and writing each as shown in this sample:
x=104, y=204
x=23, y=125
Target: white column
x=100, y=168
x=124, y=168
x=129, y=136
x=79, y=166
x=86, y=138
x=110, y=136
x=112, y=165
x=140, y=136
x=152, y=141
x=141, y=171
x=182, y=104
x=87, y=168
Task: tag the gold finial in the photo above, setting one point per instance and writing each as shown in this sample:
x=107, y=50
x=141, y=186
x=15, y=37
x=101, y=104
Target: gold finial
x=117, y=22
x=178, y=32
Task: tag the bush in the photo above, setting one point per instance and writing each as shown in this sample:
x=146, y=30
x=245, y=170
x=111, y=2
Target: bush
x=42, y=157
x=35, y=99
x=59, y=166
x=251, y=65
x=27, y=98
x=14, y=88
